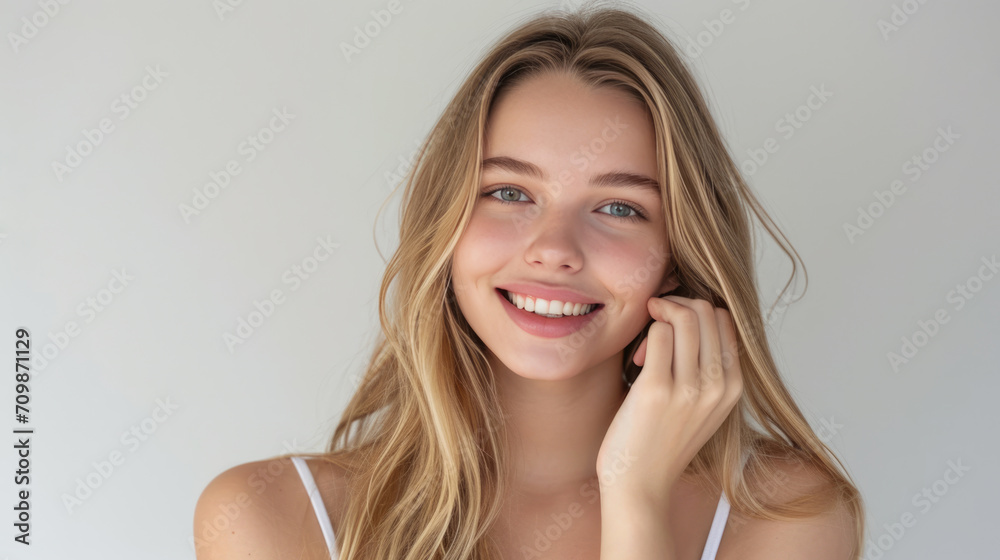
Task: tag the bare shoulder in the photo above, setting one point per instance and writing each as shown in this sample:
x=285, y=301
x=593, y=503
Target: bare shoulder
x=829, y=536
x=261, y=510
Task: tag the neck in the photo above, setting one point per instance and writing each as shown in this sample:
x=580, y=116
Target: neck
x=556, y=427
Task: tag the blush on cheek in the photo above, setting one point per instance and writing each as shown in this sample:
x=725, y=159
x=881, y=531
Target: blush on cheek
x=497, y=234
x=635, y=269
x=481, y=251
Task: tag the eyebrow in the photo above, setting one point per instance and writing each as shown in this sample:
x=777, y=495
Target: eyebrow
x=613, y=179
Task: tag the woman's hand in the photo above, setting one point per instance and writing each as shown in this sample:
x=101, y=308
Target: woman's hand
x=689, y=382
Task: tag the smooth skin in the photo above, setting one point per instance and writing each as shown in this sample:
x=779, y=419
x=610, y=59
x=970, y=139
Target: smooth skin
x=682, y=395
x=546, y=220
x=569, y=411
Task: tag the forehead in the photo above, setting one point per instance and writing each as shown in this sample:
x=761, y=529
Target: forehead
x=561, y=124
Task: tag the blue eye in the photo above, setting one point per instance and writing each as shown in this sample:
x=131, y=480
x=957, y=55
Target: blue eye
x=507, y=189
x=638, y=214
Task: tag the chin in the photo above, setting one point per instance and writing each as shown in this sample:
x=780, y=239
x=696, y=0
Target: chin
x=549, y=365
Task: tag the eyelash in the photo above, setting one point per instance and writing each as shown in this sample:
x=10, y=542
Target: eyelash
x=639, y=217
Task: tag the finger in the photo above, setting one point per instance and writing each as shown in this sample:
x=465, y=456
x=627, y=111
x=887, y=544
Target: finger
x=709, y=347
x=730, y=355
x=659, y=354
x=640, y=353
x=684, y=321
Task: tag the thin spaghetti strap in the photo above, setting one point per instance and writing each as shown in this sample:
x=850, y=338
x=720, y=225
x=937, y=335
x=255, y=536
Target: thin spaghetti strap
x=317, y=502
x=718, y=526
x=719, y=522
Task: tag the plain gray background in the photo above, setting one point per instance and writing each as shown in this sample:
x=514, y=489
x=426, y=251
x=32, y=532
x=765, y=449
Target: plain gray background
x=214, y=77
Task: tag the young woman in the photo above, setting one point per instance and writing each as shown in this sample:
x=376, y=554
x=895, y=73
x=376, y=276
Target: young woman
x=574, y=350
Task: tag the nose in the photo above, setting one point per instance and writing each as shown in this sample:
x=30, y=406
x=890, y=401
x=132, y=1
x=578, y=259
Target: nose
x=555, y=244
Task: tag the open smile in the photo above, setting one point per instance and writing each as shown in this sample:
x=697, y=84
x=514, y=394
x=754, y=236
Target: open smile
x=549, y=326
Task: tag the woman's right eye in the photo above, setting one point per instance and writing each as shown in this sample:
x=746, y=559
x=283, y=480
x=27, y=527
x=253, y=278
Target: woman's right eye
x=505, y=190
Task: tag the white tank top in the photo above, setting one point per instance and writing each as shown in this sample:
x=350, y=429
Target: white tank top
x=711, y=545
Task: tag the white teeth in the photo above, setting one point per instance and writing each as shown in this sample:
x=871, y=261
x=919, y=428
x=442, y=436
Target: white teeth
x=554, y=308
x=542, y=307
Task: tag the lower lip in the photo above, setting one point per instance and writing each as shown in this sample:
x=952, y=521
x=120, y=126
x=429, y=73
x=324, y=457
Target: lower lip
x=545, y=327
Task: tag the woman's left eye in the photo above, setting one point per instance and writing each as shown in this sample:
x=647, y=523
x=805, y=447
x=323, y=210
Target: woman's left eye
x=637, y=214
x=622, y=204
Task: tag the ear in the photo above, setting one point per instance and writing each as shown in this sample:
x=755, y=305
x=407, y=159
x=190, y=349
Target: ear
x=670, y=281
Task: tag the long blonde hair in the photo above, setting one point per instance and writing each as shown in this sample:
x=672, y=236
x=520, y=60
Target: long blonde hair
x=426, y=463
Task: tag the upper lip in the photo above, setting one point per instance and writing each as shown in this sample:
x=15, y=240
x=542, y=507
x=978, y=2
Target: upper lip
x=549, y=293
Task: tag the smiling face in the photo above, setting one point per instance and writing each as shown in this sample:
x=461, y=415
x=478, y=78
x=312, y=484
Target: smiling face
x=568, y=200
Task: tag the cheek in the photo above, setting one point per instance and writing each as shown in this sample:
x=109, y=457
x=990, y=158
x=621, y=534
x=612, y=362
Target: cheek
x=490, y=235
x=486, y=246
x=635, y=269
